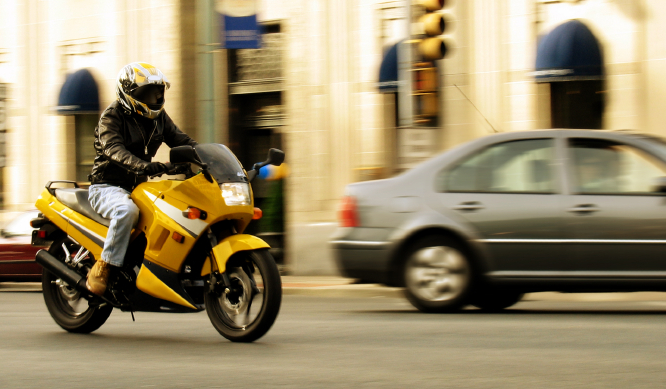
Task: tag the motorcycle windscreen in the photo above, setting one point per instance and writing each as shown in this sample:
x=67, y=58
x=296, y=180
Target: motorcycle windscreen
x=222, y=163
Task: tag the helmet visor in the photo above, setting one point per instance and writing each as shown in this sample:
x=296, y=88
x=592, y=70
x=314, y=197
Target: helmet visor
x=151, y=95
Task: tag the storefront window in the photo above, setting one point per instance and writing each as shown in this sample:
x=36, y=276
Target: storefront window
x=577, y=104
x=85, y=151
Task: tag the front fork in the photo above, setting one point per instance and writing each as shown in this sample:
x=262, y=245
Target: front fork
x=219, y=283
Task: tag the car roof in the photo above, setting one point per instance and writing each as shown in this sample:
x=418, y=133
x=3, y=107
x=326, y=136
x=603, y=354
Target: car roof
x=561, y=132
x=621, y=132
x=551, y=131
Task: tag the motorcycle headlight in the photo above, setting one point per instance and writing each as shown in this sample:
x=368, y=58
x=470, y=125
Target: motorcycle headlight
x=236, y=193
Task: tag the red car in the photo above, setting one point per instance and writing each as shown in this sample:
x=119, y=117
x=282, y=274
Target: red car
x=17, y=255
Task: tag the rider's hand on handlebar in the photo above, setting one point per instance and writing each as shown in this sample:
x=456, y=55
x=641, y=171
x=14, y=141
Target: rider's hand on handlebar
x=155, y=168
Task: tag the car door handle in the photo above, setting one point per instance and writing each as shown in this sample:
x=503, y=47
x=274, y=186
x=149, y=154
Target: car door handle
x=584, y=208
x=469, y=206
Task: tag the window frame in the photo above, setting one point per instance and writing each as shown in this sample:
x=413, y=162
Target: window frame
x=557, y=188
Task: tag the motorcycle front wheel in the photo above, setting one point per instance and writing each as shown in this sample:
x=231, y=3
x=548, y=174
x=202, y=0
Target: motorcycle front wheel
x=248, y=309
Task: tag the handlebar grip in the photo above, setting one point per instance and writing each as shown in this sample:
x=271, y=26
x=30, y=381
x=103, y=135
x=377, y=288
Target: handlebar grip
x=169, y=168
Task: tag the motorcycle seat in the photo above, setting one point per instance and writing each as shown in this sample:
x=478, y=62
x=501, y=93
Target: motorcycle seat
x=77, y=199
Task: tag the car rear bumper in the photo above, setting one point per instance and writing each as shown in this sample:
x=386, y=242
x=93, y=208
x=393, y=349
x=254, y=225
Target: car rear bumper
x=368, y=261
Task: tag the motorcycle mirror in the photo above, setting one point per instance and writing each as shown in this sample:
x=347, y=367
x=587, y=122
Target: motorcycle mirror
x=182, y=154
x=275, y=157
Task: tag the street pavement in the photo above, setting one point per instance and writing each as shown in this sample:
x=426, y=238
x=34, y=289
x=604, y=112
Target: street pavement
x=324, y=340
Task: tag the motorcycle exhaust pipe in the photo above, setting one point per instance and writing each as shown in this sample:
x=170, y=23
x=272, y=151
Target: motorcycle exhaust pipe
x=70, y=276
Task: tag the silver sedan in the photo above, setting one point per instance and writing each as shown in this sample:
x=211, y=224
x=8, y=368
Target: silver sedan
x=486, y=222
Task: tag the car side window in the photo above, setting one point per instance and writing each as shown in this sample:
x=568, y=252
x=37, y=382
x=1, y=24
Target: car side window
x=522, y=166
x=605, y=167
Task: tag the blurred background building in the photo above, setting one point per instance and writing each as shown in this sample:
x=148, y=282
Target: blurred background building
x=313, y=88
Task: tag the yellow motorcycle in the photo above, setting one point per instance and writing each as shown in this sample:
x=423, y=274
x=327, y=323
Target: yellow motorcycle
x=187, y=252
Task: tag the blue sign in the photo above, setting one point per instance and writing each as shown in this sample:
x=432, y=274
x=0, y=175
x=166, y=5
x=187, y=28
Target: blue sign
x=240, y=29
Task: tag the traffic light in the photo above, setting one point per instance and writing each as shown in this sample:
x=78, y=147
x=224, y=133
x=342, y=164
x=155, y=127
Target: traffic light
x=424, y=89
x=431, y=24
x=419, y=77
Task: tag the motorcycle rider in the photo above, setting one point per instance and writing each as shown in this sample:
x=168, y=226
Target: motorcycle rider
x=129, y=132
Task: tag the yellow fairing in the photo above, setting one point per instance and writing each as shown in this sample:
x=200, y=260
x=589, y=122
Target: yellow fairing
x=231, y=245
x=161, y=205
x=148, y=283
x=198, y=192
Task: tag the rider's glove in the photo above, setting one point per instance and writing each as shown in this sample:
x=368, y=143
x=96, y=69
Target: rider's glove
x=154, y=168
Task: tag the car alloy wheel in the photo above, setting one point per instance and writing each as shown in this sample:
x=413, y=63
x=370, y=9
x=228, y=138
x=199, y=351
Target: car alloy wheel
x=438, y=275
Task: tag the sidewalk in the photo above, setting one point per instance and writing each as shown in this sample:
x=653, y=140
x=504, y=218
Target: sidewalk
x=345, y=287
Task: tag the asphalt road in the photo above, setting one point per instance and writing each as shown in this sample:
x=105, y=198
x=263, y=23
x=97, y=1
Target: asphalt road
x=322, y=342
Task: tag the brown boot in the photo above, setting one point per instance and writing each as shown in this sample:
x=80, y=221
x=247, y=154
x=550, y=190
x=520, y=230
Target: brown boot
x=97, y=278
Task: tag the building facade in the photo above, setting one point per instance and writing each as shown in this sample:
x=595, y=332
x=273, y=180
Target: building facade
x=44, y=42
x=317, y=96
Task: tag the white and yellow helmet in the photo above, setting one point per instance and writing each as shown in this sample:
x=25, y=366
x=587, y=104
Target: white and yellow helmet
x=134, y=76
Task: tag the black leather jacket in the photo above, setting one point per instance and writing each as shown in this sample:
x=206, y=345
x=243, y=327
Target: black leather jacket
x=121, y=141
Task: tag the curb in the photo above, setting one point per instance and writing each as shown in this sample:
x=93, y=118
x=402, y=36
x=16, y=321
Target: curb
x=322, y=286
x=595, y=297
x=20, y=287
x=355, y=291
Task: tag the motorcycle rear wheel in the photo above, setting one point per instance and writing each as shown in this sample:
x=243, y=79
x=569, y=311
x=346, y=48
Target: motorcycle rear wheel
x=231, y=312
x=67, y=308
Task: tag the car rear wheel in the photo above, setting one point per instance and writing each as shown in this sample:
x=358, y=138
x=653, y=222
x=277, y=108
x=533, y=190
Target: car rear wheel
x=437, y=274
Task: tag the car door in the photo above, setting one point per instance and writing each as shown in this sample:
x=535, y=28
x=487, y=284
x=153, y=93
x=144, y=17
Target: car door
x=17, y=255
x=17, y=258
x=509, y=193
x=619, y=221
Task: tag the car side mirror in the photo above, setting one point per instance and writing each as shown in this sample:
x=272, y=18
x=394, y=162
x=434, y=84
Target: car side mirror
x=6, y=234
x=659, y=185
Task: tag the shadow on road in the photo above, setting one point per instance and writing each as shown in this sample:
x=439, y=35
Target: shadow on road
x=101, y=339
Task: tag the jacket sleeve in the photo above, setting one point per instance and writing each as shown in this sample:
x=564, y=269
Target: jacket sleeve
x=113, y=145
x=173, y=136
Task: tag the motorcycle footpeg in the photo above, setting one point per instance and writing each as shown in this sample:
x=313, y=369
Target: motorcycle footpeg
x=96, y=303
x=96, y=300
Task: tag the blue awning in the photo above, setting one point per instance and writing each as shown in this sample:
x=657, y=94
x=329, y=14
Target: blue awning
x=570, y=52
x=388, y=71
x=78, y=94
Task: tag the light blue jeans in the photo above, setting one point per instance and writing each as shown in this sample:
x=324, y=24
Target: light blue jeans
x=114, y=203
